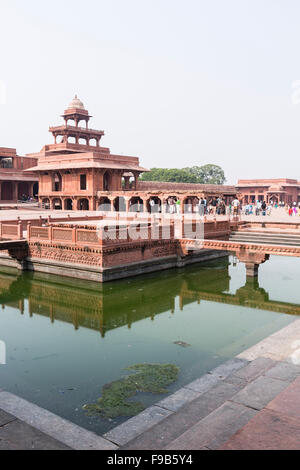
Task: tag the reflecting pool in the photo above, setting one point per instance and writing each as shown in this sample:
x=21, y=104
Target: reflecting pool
x=66, y=339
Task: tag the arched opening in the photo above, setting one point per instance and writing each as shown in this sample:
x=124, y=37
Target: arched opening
x=71, y=140
x=82, y=141
x=46, y=203
x=104, y=204
x=154, y=205
x=7, y=191
x=136, y=204
x=120, y=204
x=68, y=205
x=170, y=205
x=83, y=205
x=106, y=181
x=274, y=199
x=190, y=204
x=128, y=181
x=36, y=190
x=23, y=192
x=6, y=163
x=57, y=182
x=57, y=204
x=93, y=142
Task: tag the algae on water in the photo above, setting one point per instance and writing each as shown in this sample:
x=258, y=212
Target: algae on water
x=148, y=378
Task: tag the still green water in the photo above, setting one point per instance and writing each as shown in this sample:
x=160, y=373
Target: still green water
x=65, y=339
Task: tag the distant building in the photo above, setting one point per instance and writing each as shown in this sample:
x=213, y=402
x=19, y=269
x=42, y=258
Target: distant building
x=276, y=190
x=15, y=183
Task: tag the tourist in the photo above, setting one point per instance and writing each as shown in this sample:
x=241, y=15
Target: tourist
x=178, y=206
x=171, y=205
x=205, y=205
x=152, y=206
x=258, y=208
x=201, y=207
x=263, y=208
x=236, y=205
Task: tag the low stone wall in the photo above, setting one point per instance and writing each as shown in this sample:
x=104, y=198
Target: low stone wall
x=112, y=252
x=276, y=225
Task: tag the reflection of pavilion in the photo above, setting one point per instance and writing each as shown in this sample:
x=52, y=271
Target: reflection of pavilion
x=115, y=305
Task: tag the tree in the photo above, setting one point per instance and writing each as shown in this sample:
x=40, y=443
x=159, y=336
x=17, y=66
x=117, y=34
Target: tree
x=208, y=174
x=169, y=175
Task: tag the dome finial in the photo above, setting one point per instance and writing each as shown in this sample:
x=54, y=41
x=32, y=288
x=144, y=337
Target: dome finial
x=76, y=104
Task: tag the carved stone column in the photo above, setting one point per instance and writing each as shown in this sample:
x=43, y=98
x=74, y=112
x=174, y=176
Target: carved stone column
x=252, y=261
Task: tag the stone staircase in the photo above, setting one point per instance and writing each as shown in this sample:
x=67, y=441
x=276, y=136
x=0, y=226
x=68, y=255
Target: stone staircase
x=216, y=410
x=267, y=238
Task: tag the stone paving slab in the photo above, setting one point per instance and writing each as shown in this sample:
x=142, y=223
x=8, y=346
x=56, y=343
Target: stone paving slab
x=178, y=399
x=268, y=430
x=215, y=429
x=284, y=371
x=259, y=393
x=288, y=402
x=18, y=435
x=255, y=369
x=6, y=418
x=284, y=345
x=178, y=423
x=205, y=383
x=229, y=367
x=54, y=426
x=137, y=425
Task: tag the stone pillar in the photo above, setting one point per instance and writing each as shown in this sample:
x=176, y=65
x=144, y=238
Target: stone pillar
x=127, y=182
x=15, y=191
x=144, y=205
x=251, y=269
x=252, y=261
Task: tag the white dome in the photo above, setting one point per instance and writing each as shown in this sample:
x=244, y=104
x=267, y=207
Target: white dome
x=76, y=104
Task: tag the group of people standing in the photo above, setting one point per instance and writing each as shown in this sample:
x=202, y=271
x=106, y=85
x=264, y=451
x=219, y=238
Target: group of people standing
x=217, y=206
x=293, y=209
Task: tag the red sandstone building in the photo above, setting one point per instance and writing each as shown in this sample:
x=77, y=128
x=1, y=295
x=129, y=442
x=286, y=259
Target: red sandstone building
x=77, y=173
x=276, y=190
x=15, y=183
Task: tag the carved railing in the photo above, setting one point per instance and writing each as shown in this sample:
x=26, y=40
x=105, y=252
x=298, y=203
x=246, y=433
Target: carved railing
x=11, y=231
x=103, y=236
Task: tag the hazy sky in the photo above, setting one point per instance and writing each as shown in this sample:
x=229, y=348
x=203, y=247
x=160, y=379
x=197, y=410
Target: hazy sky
x=177, y=83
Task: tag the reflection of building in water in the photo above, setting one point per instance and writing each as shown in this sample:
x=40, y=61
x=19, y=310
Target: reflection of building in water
x=115, y=305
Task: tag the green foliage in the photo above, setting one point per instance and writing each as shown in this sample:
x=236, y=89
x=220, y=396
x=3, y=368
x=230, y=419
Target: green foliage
x=207, y=174
x=170, y=175
x=149, y=378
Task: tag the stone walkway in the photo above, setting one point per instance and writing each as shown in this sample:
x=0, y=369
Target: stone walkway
x=17, y=435
x=247, y=403
x=238, y=411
